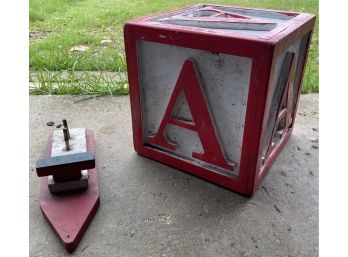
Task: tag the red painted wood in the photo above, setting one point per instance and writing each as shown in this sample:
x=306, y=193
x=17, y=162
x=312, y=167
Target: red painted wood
x=263, y=50
x=70, y=214
x=253, y=121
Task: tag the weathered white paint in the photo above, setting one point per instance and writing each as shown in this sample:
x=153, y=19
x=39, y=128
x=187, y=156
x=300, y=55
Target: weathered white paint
x=183, y=21
x=265, y=14
x=78, y=144
x=225, y=80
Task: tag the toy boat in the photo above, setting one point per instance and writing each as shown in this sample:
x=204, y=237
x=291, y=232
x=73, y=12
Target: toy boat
x=69, y=195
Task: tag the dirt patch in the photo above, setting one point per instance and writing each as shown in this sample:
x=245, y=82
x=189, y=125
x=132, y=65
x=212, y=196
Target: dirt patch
x=38, y=35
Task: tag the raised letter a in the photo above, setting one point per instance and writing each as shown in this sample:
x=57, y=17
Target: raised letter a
x=189, y=83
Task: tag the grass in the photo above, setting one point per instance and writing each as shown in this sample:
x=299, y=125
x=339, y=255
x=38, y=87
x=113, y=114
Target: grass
x=71, y=83
x=58, y=25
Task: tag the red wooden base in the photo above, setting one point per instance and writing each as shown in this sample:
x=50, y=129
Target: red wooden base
x=70, y=214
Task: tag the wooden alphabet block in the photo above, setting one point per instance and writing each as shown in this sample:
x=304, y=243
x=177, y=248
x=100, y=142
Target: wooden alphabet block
x=214, y=89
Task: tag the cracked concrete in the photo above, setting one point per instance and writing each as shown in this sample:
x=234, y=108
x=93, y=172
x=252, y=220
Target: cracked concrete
x=149, y=209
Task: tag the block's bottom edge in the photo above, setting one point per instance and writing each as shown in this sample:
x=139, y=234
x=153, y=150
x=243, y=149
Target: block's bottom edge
x=237, y=184
x=230, y=183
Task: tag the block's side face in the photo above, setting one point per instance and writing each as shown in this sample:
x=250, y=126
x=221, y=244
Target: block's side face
x=224, y=83
x=283, y=96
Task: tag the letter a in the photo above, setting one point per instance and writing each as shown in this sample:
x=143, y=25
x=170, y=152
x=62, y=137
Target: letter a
x=189, y=82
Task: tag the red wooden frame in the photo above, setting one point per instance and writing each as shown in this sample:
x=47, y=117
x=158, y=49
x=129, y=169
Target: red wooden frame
x=262, y=49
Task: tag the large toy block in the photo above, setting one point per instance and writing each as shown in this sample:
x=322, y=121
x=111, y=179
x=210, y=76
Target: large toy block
x=214, y=89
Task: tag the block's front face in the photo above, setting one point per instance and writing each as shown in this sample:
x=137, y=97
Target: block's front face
x=224, y=83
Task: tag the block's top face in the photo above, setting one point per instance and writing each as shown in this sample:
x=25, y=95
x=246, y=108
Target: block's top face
x=227, y=20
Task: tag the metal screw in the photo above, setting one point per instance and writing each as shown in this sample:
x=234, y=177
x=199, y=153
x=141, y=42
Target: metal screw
x=65, y=124
x=66, y=138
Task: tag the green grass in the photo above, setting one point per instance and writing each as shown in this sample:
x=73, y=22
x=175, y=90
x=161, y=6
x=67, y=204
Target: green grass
x=71, y=83
x=58, y=25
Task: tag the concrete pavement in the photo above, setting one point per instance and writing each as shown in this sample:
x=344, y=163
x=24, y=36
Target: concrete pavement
x=149, y=209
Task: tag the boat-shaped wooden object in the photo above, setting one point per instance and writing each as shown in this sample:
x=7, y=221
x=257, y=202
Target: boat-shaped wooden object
x=69, y=203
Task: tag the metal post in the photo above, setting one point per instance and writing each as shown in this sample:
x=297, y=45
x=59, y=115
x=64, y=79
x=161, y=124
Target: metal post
x=66, y=138
x=65, y=124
